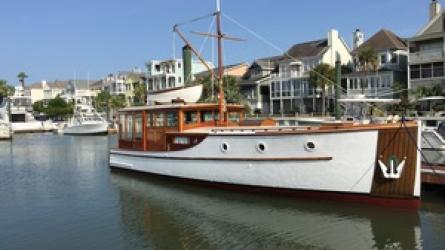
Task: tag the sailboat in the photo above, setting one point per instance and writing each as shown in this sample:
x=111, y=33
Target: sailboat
x=209, y=143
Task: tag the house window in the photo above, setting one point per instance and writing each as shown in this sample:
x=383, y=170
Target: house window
x=383, y=59
x=286, y=88
x=438, y=69
x=394, y=58
x=415, y=71
x=234, y=116
x=426, y=71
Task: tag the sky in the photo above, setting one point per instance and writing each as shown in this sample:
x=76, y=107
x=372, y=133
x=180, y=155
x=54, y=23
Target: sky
x=88, y=39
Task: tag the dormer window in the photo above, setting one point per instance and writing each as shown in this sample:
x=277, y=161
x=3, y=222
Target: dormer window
x=383, y=59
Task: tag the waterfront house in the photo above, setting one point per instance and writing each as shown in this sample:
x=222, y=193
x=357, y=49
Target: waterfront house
x=426, y=51
x=389, y=69
x=290, y=89
x=45, y=90
x=255, y=86
x=169, y=74
x=123, y=83
x=80, y=92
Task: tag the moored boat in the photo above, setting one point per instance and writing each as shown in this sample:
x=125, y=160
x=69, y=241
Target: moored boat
x=211, y=143
x=86, y=121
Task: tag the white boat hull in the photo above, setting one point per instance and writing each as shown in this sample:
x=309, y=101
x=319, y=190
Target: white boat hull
x=286, y=164
x=188, y=94
x=32, y=126
x=5, y=131
x=86, y=129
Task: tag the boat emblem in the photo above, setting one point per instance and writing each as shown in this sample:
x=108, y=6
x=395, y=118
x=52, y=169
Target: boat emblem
x=394, y=168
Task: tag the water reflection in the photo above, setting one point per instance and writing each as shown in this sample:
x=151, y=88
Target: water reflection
x=169, y=215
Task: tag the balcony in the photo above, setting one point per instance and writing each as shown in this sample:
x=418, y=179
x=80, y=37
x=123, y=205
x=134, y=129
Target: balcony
x=426, y=56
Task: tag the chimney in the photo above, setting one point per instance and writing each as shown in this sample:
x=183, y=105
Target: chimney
x=358, y=38
x=332, y=36
x=187, y=64
x=435, y=9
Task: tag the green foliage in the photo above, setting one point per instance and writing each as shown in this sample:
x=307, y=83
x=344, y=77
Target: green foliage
x=322, y=77
x=56, y=108
x=424, y=91
x=368, y=59
x=101, y=101
x=22, y=75
x=117, y=102
x=232, y=91
x=140, y=92
x=5, y=89
x=39, y=106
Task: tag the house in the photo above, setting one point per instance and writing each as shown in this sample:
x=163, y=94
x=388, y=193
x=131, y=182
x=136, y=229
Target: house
x=388, y=71
x=122, y=83
x=169, y=74
x=45, y=90
x=287, y=75
x=236, y=70
x=80, y=92
x=426, y=51
x=255, y=86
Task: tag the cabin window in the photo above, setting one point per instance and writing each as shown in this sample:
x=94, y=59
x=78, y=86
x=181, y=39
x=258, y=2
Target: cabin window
x=172, y=119
x=234, y=116
x=138, y=127
x=159, y=119
x=207, y=116
x=129, y=134
x=122, y=126
x=181, y=140
x=190, y=117
x=149, y=119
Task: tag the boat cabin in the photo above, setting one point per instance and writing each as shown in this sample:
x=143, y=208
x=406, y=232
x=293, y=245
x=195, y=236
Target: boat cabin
x=163, y=127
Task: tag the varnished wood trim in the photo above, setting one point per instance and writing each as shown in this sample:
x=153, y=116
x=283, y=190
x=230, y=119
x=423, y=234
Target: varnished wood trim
x=317, y=158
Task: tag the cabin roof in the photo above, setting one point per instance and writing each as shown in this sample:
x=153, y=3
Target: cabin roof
x=178, y=106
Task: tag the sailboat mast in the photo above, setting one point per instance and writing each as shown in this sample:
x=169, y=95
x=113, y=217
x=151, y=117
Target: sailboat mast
x=220, y=63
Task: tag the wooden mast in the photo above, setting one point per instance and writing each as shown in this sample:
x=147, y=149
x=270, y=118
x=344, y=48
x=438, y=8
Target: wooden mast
x=221, y=101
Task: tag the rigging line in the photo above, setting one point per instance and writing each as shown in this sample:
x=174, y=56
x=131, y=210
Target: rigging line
x=410, y=136
x=195, y=19
x=206, y=38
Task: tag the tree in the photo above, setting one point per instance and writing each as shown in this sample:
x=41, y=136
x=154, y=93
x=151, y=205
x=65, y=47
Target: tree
x=102, y=101
x=368, y=61
x=140, y=93
x=117, y=102
x=39, y=106
x=22, y=76
x=322, y=77
x=58, y=108
x=424, y=91
x=5, y=89
x=232, y=93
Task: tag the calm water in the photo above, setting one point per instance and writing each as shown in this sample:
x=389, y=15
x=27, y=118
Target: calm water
x=57, y=192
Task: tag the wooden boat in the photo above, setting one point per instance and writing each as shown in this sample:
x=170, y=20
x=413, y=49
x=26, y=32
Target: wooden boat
x=211, y=143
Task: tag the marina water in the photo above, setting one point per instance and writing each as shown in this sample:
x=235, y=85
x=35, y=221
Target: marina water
x=57, y=192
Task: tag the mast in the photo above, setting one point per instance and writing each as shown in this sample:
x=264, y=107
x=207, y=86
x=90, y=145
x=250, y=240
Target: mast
x=221, y=105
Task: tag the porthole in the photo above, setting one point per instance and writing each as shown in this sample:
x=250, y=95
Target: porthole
x=225, y=147
x=310, y=146
x=261, y=147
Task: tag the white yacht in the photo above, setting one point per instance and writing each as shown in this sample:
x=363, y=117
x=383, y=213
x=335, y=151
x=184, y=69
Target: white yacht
x=86, y=121
x=22, y=118
x=5, y=127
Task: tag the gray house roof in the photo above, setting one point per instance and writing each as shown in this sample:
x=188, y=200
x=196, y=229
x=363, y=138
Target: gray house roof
x=308, y=49
x=383, y=40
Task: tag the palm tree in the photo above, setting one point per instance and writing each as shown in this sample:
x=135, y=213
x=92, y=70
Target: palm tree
x=22, y=76
x=368, y=61
x=5, y=89
x=322, y=77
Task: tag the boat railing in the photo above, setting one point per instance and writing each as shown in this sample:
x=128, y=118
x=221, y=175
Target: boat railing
x=251, y=130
